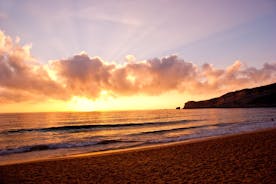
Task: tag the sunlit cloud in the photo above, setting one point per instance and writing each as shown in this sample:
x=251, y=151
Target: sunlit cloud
x=21, y=74
x=82, y=77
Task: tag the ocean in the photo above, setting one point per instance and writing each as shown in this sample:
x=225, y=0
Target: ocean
x=33, y=136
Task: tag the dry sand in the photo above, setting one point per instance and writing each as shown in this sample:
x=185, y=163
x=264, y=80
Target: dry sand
x=244, y=158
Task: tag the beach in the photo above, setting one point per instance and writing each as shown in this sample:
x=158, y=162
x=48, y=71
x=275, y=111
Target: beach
x=242, y=158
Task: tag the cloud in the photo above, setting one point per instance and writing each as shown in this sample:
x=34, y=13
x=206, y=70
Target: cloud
x=236, y=76
x=23, y=78
x=21, y=74
x=152, y=77
x=82, y=75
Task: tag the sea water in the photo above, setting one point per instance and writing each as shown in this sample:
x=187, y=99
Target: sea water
x=33, y=136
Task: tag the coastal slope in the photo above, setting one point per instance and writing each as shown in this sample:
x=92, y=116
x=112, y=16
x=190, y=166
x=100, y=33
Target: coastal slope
x=264, y=96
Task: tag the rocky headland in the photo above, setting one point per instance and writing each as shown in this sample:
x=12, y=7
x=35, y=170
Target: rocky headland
x=264, y=96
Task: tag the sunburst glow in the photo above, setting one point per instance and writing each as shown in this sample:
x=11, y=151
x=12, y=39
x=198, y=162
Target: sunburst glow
x=127, y=55
x=80, y=104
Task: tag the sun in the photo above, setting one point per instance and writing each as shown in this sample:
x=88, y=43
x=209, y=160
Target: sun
x=104, y=93
x=81, y=104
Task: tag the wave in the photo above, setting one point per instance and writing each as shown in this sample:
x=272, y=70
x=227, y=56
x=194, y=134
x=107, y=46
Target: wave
x=89, y=127
x=43, y=147
x=228, y=128
x=189, y=127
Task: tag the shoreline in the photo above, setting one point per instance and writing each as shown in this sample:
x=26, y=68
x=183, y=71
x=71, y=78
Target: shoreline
x=238, y=156
x=137, y=148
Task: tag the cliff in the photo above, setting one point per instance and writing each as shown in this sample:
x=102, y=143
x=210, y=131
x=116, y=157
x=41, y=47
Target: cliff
x=264, y=96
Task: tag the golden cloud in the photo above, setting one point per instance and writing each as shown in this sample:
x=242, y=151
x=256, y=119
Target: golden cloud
x=23, y=78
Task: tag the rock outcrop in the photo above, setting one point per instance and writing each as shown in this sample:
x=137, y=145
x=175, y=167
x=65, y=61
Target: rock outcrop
x=264, y=96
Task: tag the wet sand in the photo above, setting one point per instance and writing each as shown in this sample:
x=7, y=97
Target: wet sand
x=243, y=158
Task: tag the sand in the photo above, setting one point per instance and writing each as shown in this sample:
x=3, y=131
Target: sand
x=243, y=158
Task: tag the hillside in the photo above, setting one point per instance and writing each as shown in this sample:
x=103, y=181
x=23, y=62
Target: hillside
x=264, y=96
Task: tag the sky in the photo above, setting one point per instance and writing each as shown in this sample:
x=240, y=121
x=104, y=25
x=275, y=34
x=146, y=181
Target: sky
x=119, y=55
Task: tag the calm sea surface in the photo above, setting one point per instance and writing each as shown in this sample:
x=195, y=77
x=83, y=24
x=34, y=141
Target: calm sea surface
x=32, y=136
